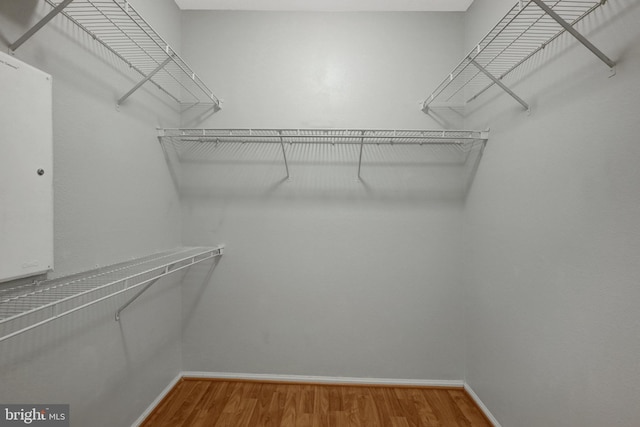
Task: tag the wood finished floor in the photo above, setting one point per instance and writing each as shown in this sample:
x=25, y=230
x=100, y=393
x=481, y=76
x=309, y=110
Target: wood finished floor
x=216, y=403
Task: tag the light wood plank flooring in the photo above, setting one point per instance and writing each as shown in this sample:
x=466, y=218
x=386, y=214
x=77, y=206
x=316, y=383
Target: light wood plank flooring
x=216, y=403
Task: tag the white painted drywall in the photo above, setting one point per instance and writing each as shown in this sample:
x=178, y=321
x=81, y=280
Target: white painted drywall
x=325, y=288
x=320, y=69
x=362, y=282
x=329, y=5
x=552, y=233
x=114, y=200
x=323, y=274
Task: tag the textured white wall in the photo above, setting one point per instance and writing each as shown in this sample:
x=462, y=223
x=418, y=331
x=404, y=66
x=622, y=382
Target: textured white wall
x=320, y=69
x=553, y=235
x=113, y=200
x=324, y=288
x=324, y=278
x=323, y=274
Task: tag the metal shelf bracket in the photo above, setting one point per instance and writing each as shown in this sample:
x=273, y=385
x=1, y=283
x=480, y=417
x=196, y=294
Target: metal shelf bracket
x=26, y=36
x=147, y=286
x=167, y=269
x=284, y=154
x=569, y=28
x=146, y=79
x=360, y=159
x=499, y=83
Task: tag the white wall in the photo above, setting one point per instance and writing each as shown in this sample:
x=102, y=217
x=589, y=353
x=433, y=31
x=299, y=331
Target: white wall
x=552, y=232
x=312, y=288
x=323, y=274
x=327, y=275
x=114, y=200
x=320, y=69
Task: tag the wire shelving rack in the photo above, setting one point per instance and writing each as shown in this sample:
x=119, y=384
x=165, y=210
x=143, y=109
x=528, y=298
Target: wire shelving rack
x=28, y=306
x=524, y=31
x=324, y=136
x=117, y=26
x=463, y=139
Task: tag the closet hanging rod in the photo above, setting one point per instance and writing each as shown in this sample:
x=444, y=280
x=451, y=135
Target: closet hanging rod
x=324, y=136
x=354, y=142
x=461, y=139
x=304, y=131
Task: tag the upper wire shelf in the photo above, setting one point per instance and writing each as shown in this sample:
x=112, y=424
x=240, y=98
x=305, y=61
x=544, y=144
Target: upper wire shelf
x=324, y=136
x=117, y=26
x=461, y=139
x=25, y=307
x=525, y=30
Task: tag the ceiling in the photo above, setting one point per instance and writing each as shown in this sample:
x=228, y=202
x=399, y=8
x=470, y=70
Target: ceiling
x=329, y=5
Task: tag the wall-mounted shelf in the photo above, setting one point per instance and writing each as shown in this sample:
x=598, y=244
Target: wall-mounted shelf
x=525, y=30
x=358, y=137
x=117, y=26
x=28, y=306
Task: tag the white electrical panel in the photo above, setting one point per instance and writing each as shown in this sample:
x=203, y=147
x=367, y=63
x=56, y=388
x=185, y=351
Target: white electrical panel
x=26, y=170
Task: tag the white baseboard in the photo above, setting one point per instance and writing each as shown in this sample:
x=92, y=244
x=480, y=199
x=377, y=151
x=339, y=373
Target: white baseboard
x=324, y=380
x=481, y=405
x=318, y=380
x=157, y=400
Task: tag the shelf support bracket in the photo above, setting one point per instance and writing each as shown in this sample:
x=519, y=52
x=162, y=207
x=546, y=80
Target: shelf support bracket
x=135, y=297
x=147, y=77
x=569, y=28
x=360, y=159
x=167, y=270
x=26, y=36
x=499, y=83
x=284, y=154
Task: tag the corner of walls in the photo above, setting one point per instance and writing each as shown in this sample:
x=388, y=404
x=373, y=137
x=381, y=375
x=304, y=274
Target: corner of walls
x=114, y=200
x=113, y=195
x=551, y=220
x=485, y=410
x=307, y=285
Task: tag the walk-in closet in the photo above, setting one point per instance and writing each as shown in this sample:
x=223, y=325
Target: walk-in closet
x=320, y=213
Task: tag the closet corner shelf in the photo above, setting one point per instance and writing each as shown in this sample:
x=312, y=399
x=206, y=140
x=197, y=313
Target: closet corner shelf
x=524, y=31
x=117, y=26
x=26, y=307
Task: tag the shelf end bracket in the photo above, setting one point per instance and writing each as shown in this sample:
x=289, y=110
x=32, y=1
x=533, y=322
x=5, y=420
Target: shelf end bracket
x=360, y=158
x=569, y=28
x=499, y=83
x=145, y=79
x=135, y=297
x=284, y=154
x=26, y=36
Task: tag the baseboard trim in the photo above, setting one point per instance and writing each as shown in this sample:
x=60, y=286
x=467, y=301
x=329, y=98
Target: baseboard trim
x=157, y=400
x=481, y=405
x=309, y=379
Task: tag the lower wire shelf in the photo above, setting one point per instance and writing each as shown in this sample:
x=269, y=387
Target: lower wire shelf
x=26, y=307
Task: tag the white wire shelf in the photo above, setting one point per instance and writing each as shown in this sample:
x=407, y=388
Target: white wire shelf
x=117, y=26
x=464, y=140
x=524, y=31
x=28, y=306
x=324, y=136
